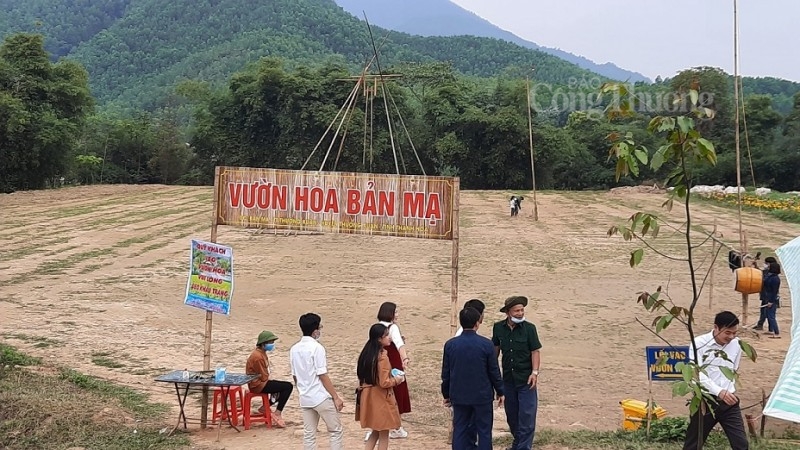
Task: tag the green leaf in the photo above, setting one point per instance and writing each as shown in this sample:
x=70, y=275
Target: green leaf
x=636, y=257
x=680, y=389
x=657, y=161
x=707, y=150
x=641, y=155
x=687, y=370
x=646, y=225
x=729, y=374
x=663, y=323
x=666, y=124
x=685, y=124
x=748, y=350
x=693, y=96
x=694, y=406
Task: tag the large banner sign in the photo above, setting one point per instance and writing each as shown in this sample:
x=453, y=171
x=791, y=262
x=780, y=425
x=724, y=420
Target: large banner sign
x=337, y=202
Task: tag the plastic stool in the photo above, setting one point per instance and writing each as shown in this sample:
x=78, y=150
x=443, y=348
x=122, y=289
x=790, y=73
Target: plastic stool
x=234, y=410
x=266, y=418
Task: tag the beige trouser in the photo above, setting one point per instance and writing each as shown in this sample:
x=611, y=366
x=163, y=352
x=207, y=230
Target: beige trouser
x=326, y=410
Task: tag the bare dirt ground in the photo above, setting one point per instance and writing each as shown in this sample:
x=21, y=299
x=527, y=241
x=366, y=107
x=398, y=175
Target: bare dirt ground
x=101, y=272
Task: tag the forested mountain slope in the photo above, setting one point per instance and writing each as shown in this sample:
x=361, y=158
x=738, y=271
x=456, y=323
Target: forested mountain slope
x=136, y=50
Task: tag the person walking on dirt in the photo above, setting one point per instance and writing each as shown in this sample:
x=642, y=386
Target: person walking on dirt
x=318, y=397
x=726, y=409
x=518, y=342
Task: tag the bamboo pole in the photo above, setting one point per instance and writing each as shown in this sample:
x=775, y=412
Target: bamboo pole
x=530, y=141
x=711, y=269
x=745, y=297
x=763, y=416
x=454, y=261
x=209, y=314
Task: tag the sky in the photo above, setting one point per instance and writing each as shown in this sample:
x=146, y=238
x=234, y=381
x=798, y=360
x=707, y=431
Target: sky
x=655, y=37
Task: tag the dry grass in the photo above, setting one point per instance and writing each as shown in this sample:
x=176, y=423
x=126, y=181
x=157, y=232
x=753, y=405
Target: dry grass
x=44, y=408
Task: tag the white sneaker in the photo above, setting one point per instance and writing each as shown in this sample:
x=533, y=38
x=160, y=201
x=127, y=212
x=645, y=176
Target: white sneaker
x=366, y=438
x=399, y=433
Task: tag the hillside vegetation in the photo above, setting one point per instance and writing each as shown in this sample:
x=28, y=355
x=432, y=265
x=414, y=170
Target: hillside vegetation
x=136, y=50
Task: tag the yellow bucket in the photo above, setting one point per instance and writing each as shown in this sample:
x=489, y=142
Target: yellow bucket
x=634, y=414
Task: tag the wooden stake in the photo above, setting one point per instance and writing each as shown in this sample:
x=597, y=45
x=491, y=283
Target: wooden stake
x=454, y=262
x=751, y=425
x=745, y=297
x=763, y=416
x=209, y=314
x=713, y=264
x=649, y=406
x=530, y=140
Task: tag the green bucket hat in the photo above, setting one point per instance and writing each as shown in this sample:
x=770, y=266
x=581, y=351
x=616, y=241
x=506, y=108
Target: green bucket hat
x=266, y=336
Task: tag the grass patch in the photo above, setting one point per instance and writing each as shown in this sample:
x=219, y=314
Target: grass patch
x=131, y=400
x=9, y=356
x=637, y=440
x=102, y=359
x=91, y=268
x=39, y=341
x=74, y=211
x=75, y=410
x=27, y=251
x=60, y=265
x=133, y=240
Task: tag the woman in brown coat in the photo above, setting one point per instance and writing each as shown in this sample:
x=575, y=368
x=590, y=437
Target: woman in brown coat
x=376, y=407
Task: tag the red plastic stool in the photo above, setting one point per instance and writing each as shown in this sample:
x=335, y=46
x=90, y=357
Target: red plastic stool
x=234, y=410
x=266, y=418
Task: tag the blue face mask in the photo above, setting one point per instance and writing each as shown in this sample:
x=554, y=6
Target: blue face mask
x=515, y=320
x=269, y=347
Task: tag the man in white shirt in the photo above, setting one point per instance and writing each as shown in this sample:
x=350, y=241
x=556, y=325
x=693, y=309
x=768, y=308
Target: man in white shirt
x=318, y=397
x=726, y=411
x=474, y=303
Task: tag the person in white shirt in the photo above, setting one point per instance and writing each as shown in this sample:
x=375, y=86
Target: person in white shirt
x=726, y=411
x=318, y=397
x=477, y=305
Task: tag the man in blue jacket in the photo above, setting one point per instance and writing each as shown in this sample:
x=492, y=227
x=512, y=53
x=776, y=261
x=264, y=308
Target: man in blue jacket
x=470, y=380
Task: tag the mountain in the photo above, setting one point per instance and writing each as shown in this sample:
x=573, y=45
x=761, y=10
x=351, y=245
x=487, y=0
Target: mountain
x=137, y=50
x=445, y=18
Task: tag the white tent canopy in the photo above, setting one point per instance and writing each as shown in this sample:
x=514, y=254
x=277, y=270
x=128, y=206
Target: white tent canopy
x=784, y=402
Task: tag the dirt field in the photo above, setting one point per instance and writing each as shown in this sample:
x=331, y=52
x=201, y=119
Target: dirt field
x=101, y=272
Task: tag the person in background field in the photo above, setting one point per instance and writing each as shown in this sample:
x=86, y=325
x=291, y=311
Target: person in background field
x=376, y=407
x=762, y=296
x=258, y=364
x=398, y=357
x=478, y=306
x=519, y=344
x=470, y=380
x=772, y=286
x=726, y=410
x=318, y=397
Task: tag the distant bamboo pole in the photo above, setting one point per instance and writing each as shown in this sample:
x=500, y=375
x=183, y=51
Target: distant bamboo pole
x=530, y=141
x=713, y=263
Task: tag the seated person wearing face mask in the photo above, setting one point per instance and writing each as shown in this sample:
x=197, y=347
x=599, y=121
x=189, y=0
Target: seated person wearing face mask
x=258, y=364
